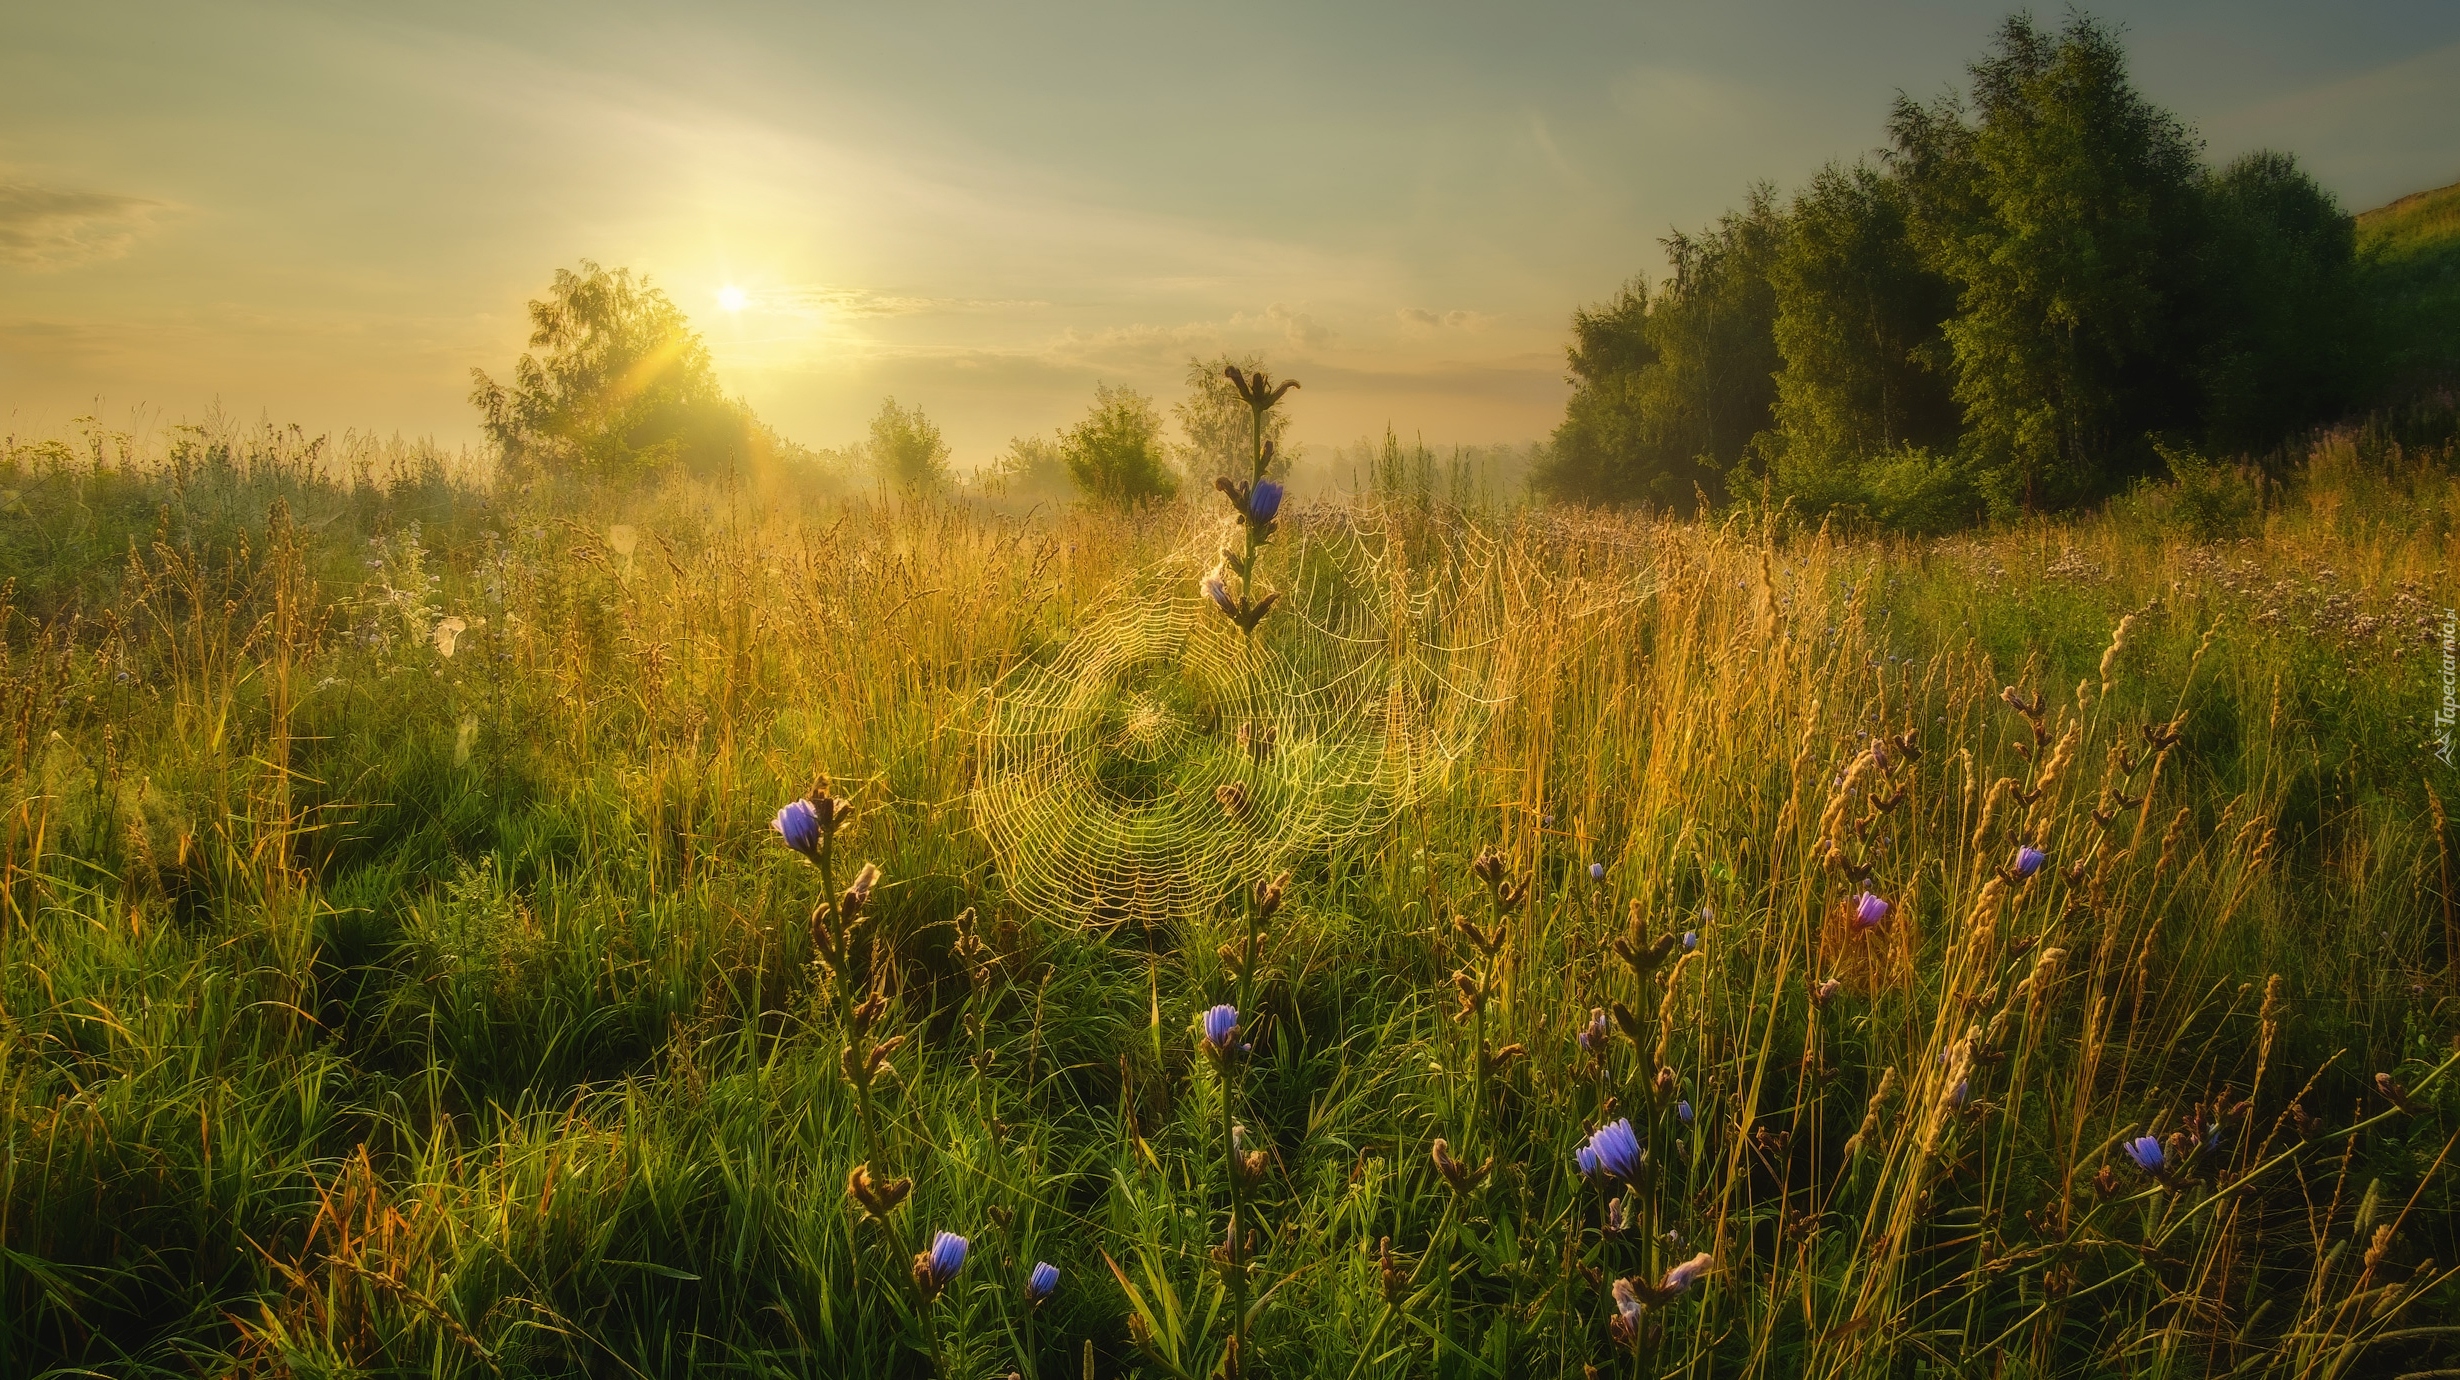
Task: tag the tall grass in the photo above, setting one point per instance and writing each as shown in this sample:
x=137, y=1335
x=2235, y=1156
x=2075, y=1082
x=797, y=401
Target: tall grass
x=370, y=1009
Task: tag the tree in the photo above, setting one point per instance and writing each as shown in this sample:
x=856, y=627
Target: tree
x=1115, y=454
x=1218, y=428
x=2278, y=321
x=1033, y=467
x=1670, y=387
x=1858, y=328
x=906, y=448
x=620, y=391
x=2064, y=214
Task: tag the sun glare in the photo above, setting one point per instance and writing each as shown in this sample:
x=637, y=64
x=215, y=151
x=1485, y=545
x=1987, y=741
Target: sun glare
x=731, y=297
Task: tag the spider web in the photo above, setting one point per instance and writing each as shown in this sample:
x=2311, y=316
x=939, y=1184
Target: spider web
x=1102, y=769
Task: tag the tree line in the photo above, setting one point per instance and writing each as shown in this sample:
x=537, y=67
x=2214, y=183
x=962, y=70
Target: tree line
x=620, y=390
x=2033, y=294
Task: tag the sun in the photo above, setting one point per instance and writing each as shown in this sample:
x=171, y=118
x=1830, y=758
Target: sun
x=731, y=297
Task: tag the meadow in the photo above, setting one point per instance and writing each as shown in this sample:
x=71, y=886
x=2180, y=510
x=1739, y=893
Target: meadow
x=2030, y=952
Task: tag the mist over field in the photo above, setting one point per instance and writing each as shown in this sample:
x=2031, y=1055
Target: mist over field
x=1195, y=693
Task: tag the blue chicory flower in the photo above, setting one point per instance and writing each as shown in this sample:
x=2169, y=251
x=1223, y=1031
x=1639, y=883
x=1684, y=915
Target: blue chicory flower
x=799, y=825
x=1682, y=1111
x=1617, y=1149
x=1263, y=501
x=2029, y=860
x=1869, y=911
x=1221, y=1026
x=1691, y=940
x=1041, y=1284
x=946, y=1257
x=2146, y=1152
x=1597, y=872
x=1585, y=1160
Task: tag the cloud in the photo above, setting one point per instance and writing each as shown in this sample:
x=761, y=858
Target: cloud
x=1420, y=320
x=863, y=302
x=1137, y=344
x=1300, y=328
x=55, y=227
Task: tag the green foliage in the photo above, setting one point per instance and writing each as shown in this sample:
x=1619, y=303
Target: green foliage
x=1033, y=468
x=621, y=390
x=905, y=448
x=1670, y=387
x=2281, y=319
x=1857, y=326
x=1919, y=492
x=1217, y=427
x=1115, y=455
x=2064, y=212
x=2209, y=501
x=2039, y=278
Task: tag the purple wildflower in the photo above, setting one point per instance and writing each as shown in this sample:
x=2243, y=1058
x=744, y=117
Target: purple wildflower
x=1217, y=589
x=1617, y=1149
x=1041, y=1284
x=2146, y=1152
x=1627, y=1303
x=2029, y=860
x=937, y=1267
x=1870, y=911
x=799, y=825
x=1263, y=501
x=1681, y=1276
x=1221, y=1027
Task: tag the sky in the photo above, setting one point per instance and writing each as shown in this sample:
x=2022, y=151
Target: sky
x=330, y=213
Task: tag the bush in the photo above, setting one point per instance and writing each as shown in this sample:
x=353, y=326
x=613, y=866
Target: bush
x=1115, y=454
x=906, y=447
x=1920, y=493
x=2211, y=501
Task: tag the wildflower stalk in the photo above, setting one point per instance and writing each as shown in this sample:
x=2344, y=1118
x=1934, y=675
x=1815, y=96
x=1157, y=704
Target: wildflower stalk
x=1236, y=1260
x=1256, y=501
x=809, y=826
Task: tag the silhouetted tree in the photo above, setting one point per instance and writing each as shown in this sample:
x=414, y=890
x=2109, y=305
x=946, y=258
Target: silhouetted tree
x=620, y=388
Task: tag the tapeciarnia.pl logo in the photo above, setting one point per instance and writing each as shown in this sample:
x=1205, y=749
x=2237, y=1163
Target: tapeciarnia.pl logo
x=2447, y=713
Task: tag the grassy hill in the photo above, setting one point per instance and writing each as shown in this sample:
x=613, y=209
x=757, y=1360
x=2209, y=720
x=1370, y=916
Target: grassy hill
x=2411, y=254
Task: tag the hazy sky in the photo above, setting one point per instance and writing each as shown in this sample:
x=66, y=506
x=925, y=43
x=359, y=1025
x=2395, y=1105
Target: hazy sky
x=329, y=213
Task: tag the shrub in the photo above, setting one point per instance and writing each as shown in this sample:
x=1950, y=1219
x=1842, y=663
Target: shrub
x=2211, y=501
x=906, y=447
x=1115, y=454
